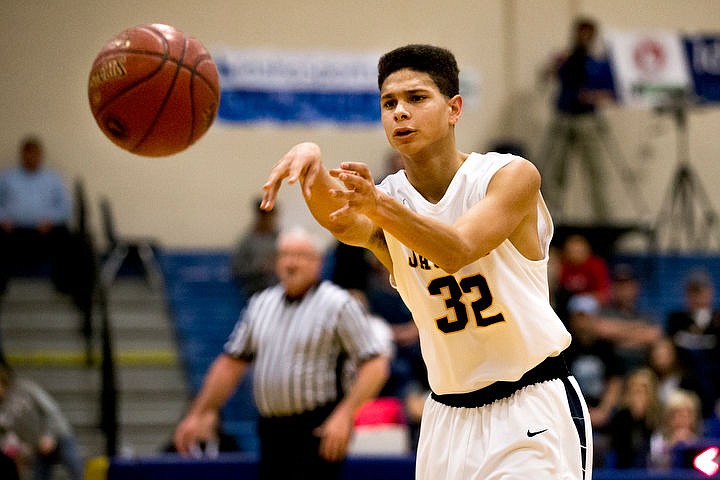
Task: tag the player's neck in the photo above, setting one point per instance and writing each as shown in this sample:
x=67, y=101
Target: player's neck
x=431, y=174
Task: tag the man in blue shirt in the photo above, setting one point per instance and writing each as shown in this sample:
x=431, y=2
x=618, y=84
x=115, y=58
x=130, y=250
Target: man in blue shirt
x=35, y=210
x=577, y=126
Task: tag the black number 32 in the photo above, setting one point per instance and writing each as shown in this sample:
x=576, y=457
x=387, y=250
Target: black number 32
x=452, y=292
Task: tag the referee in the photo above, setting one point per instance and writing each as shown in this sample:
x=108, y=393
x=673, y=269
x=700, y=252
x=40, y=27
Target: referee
x=297, y=335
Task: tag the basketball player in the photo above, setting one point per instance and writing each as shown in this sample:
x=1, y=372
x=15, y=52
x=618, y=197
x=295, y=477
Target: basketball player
x=465, y=238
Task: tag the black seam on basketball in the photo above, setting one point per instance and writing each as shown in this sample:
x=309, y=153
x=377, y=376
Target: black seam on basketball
x=164, y=56
x=178, y=65
x=211, y=85
x=130, y=87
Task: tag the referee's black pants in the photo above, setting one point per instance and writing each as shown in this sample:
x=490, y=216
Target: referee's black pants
x=289, y=450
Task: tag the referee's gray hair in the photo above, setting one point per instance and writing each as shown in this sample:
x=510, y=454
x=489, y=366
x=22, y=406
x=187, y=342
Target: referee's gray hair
x=298, y=232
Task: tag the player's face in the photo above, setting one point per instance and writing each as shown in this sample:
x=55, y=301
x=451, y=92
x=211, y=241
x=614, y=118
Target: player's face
x=415, y=115
x=298, y=265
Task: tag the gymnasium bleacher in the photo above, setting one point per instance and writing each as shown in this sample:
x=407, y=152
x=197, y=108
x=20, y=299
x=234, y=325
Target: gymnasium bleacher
x=205, y=304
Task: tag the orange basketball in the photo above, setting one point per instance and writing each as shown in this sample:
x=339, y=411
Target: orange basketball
x=154, y=90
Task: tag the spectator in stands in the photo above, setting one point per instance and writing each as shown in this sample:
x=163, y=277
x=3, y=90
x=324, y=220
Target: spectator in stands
x=695, y=331
x=595, y=365
x=296, y=334
x=35, y=212
x=624, y=323
x=253, y=258
x=35, y=433
x=663, y=360
x=681, y=424
x=581, y=272
x=636, y=418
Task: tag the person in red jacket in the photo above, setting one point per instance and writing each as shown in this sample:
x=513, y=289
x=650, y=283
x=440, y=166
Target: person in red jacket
x=581, y=272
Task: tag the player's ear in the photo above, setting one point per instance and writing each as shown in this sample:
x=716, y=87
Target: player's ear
x=455, y=108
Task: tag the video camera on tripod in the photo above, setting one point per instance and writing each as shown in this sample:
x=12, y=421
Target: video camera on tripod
x=686, y=218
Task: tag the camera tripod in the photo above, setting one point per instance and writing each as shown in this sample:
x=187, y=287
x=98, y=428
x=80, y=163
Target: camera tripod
x=566, y=137
x=686, y=219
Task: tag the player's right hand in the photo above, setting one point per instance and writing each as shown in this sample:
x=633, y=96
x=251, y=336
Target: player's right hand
x=301, y=163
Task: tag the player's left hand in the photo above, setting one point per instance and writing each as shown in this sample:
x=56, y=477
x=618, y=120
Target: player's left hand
x=301, y=163
x=360, y=196
x=335, y=434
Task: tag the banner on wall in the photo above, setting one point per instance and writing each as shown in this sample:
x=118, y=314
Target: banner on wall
x=647, y=67
x=660, y=68
x=298, y=87
x=703, y=54
x=307, y=87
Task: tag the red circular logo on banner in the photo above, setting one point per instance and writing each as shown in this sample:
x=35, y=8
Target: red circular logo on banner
x=649, y=56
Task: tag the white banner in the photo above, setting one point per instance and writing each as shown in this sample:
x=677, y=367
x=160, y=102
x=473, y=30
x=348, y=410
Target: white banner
x=308, y=71
x=650, y=68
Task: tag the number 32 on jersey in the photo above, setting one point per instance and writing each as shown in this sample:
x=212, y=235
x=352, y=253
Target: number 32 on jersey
x=453, y=292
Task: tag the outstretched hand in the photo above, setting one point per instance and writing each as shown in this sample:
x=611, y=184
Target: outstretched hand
x=360, y=196
x=302, y=162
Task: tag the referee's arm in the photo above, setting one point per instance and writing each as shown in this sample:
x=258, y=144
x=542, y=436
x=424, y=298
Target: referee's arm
x=337, y=429
x=201, y=422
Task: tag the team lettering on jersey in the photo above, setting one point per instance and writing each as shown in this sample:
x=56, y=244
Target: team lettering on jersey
x=418, y=261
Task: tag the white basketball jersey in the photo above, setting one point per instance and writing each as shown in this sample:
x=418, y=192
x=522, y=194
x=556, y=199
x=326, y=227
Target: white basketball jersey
x=491, y=320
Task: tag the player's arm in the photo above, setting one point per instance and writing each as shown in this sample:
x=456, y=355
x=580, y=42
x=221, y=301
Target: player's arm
x=200, y=423
x=303, y=164
x=506, y=212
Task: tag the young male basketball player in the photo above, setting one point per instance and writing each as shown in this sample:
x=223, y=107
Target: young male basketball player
x=465, y=238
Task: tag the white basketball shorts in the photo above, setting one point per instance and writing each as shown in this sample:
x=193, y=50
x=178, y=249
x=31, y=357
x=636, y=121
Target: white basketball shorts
x=541, y=432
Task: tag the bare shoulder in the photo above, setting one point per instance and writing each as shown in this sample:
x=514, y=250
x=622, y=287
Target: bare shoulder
x=518, y=173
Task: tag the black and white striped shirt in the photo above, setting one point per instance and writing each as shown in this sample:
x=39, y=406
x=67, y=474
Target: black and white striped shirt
x=296, y=346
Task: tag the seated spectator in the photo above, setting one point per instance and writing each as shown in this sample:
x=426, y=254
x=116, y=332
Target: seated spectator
x=35, y=212
x=35, y=433
x=596, y=367
x=662, y=359
x=581, y=272
x=681, y=425
x=253, y=258
x=636, y=418
x=622, y=321
x=695, y=331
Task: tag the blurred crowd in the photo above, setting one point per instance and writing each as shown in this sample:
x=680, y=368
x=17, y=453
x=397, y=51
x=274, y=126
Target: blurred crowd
x=652, y=384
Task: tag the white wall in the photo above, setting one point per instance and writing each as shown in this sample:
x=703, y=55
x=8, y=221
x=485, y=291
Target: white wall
x=200, y=198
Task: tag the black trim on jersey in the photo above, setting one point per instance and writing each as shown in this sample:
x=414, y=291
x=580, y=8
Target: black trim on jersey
x=551, y=368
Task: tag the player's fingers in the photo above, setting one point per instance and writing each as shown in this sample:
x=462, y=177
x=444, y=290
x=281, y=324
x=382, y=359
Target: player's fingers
x=268, y=198
x=350, y=179
x=358, y=167
x=311, y=173
x=270, y=190
x=341, y=212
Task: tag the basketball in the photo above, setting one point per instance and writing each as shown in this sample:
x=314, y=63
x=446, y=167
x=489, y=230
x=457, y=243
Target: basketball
x=154, y=90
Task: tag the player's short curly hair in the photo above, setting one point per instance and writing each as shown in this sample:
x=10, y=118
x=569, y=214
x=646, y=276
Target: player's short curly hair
x=439, y=63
